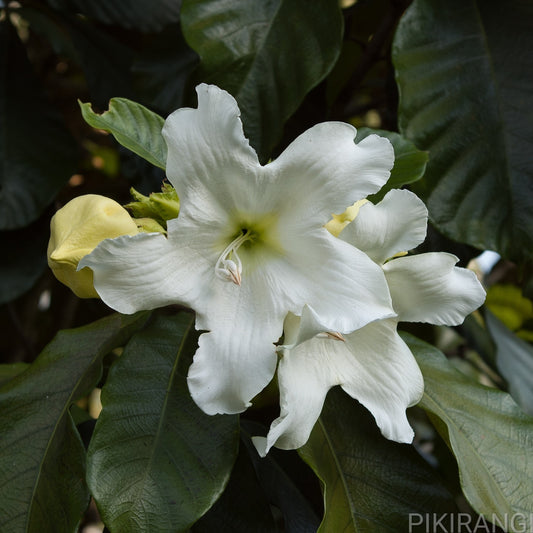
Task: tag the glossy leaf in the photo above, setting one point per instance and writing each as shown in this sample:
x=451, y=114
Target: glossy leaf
x=42, y=487
x=464, y=72
x=409, y=162
x=144, y=15
x=134, y=126
x=36, y=151
x=370, y=484
x=490, y=436
x=514, y=359
x=267, y=54
x=156, y=462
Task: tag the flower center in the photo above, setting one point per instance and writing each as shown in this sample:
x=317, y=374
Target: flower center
x=229, y=266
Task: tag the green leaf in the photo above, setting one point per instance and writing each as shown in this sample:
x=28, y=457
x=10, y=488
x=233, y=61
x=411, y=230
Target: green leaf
x=490, y=436
x=36, y=151
x=144, y=15
x=409, y=162
x=514, y=359
x=370, y=484
x=268, y=55
x=42, y=487
x=105, y=60
x=133, y=126
x=162, y=69
x=464, y=73
x=156, y=462
x=11, y=370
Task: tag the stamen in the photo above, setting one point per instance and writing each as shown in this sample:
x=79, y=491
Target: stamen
x=335, y=335
x=229, y=266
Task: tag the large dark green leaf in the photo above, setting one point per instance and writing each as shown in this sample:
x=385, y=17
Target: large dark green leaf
x=465, y=75
x=133, y=126
x=105, y=60
x=490, y=436
x=267, y=53
x=371, y=484
x=162, y=68
x=42, y=487
x=514, y=359
x=36, y=151
x=156, y=462
x=144, y=15
x=9, y=371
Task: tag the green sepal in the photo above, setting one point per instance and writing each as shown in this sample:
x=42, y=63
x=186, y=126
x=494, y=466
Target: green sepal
x=158, y=206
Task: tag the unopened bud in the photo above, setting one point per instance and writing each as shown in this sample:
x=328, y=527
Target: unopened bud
x=75, y=231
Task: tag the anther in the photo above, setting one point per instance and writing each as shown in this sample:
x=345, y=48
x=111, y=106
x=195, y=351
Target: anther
x=335, y=335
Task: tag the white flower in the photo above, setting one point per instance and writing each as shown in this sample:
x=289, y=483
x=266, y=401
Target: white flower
x=249, y=245
x=373, y=364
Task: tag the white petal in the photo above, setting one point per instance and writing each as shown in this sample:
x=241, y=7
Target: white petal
x=210, y=162
x=342, y=286
x=429, y=288
x=237, y=358
x=373, y=365
x=144, y=271
x=324, y=171
x=298, y=329
x=396, y=224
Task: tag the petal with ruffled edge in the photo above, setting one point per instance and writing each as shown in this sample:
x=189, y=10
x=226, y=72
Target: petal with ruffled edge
x=210, y=162
x=323, y=171
x=373, y=365
x=396, y=224
x=212, y=166
x=429, y=288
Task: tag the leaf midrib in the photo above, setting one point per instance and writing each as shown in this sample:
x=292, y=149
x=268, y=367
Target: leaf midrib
x=159, y=431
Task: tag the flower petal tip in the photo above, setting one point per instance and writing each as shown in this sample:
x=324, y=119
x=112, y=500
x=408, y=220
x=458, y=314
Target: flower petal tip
x=261, y=445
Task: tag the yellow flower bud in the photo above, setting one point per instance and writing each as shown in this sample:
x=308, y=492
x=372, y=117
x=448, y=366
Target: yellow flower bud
x=76, y=229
